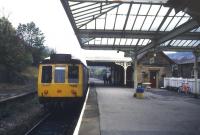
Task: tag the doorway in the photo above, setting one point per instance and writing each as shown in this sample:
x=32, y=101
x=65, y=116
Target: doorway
x=153, y=79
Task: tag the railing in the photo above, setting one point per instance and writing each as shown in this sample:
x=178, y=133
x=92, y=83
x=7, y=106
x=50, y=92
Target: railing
x=177, y=82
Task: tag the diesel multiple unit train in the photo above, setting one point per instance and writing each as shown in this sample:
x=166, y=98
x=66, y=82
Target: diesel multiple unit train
x=62, y=78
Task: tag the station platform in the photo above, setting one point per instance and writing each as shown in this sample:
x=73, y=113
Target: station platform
x=114, y=111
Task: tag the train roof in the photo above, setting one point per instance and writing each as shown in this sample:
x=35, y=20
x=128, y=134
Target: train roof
x=62, y=59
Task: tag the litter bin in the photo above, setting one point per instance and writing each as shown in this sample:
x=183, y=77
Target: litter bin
x=140, y=91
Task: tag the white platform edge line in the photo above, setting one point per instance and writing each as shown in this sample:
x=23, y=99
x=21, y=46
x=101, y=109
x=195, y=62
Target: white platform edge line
x=76, y=131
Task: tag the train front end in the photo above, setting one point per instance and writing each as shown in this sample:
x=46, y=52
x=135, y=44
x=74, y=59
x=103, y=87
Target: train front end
x=60, y=80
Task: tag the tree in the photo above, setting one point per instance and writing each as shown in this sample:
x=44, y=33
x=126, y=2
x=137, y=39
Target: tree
x=12, y=50
x=34, y=40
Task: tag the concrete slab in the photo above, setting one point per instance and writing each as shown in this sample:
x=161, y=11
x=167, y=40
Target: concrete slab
x=160, y=113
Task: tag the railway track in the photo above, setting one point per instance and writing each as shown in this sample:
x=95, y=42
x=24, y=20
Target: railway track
x=57, y=123
x=17, y=98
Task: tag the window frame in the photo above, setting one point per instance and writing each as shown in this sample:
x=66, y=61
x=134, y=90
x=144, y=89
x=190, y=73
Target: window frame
x=68, y=77
x=42, y=74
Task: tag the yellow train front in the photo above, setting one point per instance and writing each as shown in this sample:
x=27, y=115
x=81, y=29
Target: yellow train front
x=62, y=79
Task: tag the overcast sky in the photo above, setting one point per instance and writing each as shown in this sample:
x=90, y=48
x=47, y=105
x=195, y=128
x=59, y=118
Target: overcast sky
x=50, y=17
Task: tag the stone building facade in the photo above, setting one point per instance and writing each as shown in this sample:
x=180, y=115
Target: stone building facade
x=153, y=67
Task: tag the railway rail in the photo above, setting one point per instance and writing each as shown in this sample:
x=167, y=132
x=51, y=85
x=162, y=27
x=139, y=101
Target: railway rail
x=57, y=123
x=17, y=98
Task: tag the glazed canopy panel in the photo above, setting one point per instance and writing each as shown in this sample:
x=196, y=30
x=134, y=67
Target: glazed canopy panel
x=137, y=25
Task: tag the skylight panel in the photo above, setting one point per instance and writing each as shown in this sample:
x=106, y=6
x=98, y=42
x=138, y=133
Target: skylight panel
x=154, y=9
x=183, y=20
x=198, y=30
x=148, y=22
x=81, y=6
x=110, y=41
x=102, y=17
x=138, y=22
x=100, y=23
x=167, y=43
x=145, y=41
x=134, y=9
x=123, y=9
x=86, y=9
x=182, y=42
x=130, y=22
x=144, y=9
x=117, y=41
x=128, y=42
x=120, y=22
x=172, y=43
x=73, y=3
x=173, y=23
x=110, y=19
x=166, y=23
x=156, y=23
x=197, y=43
x=172, y=13
x=140, y=42
x=134, y=42
x=123, y=41
x=91, y=42
x=192, y=43
x=177, y=42
x=194, y=30
x=87, y=12
x=104, y=41
x=91, y=25
x=163, y=11
x=187, y=42
x=181, y=13
x=98, y=41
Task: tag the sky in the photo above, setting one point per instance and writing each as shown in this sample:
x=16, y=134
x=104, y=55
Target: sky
x=50, y=17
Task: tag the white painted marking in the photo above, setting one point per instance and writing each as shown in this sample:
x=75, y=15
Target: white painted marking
x=76, y=131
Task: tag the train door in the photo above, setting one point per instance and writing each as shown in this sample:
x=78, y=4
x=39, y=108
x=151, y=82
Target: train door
x=153, y=79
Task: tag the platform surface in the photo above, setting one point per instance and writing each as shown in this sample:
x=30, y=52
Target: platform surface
x=161, y=112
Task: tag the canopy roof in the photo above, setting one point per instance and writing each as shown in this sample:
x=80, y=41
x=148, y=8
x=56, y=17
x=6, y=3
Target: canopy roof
x=136, y=25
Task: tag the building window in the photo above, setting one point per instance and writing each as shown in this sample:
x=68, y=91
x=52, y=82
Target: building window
x=59, y=76
x=73, y=72
x=46, y=74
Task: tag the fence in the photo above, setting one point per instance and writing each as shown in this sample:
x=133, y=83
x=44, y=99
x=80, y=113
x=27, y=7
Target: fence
x=177, y=82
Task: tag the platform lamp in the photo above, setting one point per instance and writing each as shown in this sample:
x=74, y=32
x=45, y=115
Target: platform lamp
x=154, y=52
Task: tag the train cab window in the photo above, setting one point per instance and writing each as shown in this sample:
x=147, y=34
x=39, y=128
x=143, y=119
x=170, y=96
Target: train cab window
x=46, y=74
x=73, y=74
x=59, y=76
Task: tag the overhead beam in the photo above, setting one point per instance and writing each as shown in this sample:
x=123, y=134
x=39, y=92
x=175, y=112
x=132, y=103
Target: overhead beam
x=132, y=48
x=125, y=1
x=88, y=33
x=65, y=5
x=192, y=24
x=176, y=48
x=108, y=47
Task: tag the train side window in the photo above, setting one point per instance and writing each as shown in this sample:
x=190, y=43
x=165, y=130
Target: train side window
x=46, y=74
x=73, y=74
x=59, y=76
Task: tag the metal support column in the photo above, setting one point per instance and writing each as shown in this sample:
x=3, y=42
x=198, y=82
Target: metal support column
x=125, y=67
x=196, y=73
x=135, y=72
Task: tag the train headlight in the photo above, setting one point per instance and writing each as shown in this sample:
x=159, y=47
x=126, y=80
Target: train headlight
x=74, y=92
x=45, y=92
